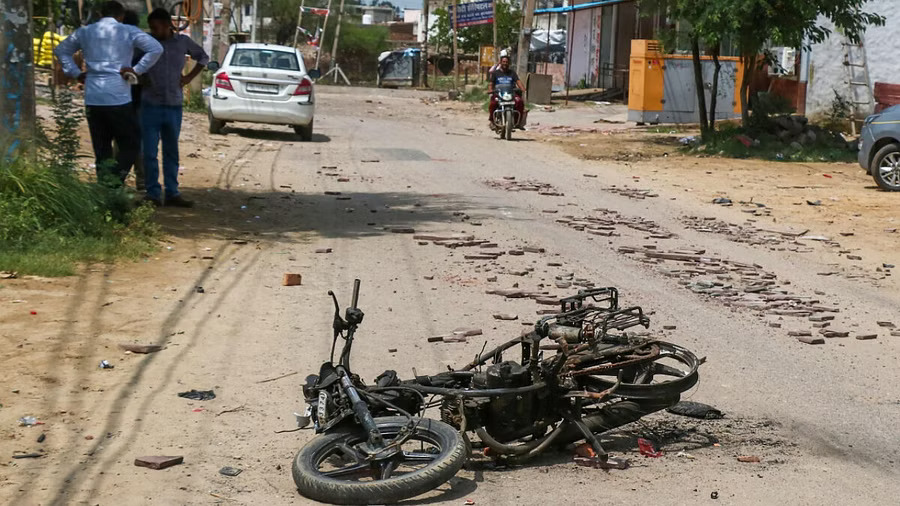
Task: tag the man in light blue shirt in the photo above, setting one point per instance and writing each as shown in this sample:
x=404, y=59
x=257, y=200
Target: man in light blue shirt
x=108, y=46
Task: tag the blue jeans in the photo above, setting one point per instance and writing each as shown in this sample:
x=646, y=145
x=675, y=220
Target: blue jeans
x=160, y=122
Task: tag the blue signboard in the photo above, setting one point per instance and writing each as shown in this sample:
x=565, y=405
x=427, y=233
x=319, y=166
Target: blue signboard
x=474, y=13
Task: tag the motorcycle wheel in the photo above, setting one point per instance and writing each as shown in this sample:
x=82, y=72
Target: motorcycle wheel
x=329, y=468
x=508, y=124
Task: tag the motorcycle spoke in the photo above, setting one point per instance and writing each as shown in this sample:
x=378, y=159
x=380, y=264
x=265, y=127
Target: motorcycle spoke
x=418, y=457
x=361, y=470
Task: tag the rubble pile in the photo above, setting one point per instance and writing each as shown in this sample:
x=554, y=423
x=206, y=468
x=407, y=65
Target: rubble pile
x=739, y=233
x=632, y=193
x=510, y=184
x=736, y=284
x=797, y=132
x=606, y=224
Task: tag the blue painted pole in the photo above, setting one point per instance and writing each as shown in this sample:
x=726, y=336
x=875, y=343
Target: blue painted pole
x=16, y=74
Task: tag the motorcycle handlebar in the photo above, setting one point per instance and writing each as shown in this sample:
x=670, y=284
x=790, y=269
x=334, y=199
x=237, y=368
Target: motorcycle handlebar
x=355, y=300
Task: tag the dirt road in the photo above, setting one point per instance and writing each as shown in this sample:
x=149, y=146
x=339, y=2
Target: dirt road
x=821, y=418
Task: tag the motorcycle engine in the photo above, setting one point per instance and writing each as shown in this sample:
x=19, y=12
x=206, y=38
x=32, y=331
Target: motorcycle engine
x=508, y=416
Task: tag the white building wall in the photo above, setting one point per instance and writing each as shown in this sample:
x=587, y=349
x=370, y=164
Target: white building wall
x=827, y=72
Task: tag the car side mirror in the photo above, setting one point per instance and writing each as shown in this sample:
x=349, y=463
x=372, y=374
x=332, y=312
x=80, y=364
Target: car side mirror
x=213, y=66
x=314, y=73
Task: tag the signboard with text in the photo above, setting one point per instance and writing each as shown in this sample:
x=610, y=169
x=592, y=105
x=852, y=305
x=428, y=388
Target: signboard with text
x=474, y=13
x=487, y=56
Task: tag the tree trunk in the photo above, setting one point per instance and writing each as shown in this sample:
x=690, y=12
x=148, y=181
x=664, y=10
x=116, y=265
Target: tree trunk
x=749, y=62
x=714, y=93
x=224, y=30
x=701, y=91
x=525, y=39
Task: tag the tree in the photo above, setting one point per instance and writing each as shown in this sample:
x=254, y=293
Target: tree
x=509, y=19
x=756, y=25
x=790, y=23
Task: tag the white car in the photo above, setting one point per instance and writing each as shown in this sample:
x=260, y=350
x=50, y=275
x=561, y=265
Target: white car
x=263, y=83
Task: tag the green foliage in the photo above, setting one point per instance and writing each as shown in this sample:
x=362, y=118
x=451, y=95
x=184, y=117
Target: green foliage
x=51, y=216
x=827, y=148
x=509, y=18
x=359, y=41
x=66, y=118
x=194, y=102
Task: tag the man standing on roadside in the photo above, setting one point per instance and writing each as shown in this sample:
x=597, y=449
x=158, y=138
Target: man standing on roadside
x=108, y=46
x=161, y=102
x=131, y=18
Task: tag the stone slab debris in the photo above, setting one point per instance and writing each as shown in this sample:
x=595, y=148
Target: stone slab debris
x=889, y=325
x=821, y=318
x=669, y=327
x=158, y=462
x=834, y=333
x=444, y=237
x=402, y=230
x=799, y=333
x=140, y=348
x=230, y=471
x=866, y=337
x=505, y=316
x=292, y=279
x=323, y=250
x=748, y=459
x=811, y=340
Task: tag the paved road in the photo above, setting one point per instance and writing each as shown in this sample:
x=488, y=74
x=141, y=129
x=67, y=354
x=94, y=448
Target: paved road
x=823, y=418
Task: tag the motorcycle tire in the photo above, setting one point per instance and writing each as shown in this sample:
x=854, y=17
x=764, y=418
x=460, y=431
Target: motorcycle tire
x=508, y=125
x=313, y=484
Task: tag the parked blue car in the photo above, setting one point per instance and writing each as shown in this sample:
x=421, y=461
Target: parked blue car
x=879, y=148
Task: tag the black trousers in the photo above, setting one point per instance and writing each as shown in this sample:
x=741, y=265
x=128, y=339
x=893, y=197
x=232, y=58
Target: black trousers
x=114, y=122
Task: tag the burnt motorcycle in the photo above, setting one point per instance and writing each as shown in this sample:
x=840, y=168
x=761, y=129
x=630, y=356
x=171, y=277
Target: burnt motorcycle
x=577, y=375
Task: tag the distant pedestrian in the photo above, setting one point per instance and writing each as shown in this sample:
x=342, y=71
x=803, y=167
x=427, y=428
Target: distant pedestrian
x=161, y=107
x=108, y=48
x=131, y=18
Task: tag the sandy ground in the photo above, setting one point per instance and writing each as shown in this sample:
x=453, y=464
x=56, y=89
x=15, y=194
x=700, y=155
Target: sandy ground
x=822, y=418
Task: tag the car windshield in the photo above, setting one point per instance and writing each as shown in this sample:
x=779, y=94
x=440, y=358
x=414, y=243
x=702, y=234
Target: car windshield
x=265, y=58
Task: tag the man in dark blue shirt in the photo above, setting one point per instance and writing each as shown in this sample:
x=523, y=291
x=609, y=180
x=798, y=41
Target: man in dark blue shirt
x=506, y=79
x=161, y=103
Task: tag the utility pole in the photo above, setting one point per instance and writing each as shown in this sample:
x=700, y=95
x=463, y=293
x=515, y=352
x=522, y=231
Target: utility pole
x=299, y=20
x=424, y=63
x=525, y=39
x=322, y=37
x=224, y=29
x=253, y=26
x=16, y=73
x=455, y=38
x=496, y=49
x=196, y=19
x=337, y=35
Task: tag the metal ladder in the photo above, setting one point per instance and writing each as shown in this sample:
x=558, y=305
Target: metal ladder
x=856, y=67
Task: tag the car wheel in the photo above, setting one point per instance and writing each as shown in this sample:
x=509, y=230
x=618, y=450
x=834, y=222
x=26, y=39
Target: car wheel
x=305, y=132
x=886, y=168
x=215, y=126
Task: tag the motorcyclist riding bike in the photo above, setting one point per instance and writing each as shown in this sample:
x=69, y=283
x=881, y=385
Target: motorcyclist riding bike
x=506, y=79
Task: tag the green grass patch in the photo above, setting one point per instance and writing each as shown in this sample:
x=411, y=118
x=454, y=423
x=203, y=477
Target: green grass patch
x=54, y=216
x=51, y=220
x=828, y=147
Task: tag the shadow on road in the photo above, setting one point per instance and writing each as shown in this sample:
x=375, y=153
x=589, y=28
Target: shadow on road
x=285, y=215
x=285, y=135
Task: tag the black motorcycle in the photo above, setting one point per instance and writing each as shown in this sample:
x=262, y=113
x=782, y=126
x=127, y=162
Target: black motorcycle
x=376, y=446
x=506, y=117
